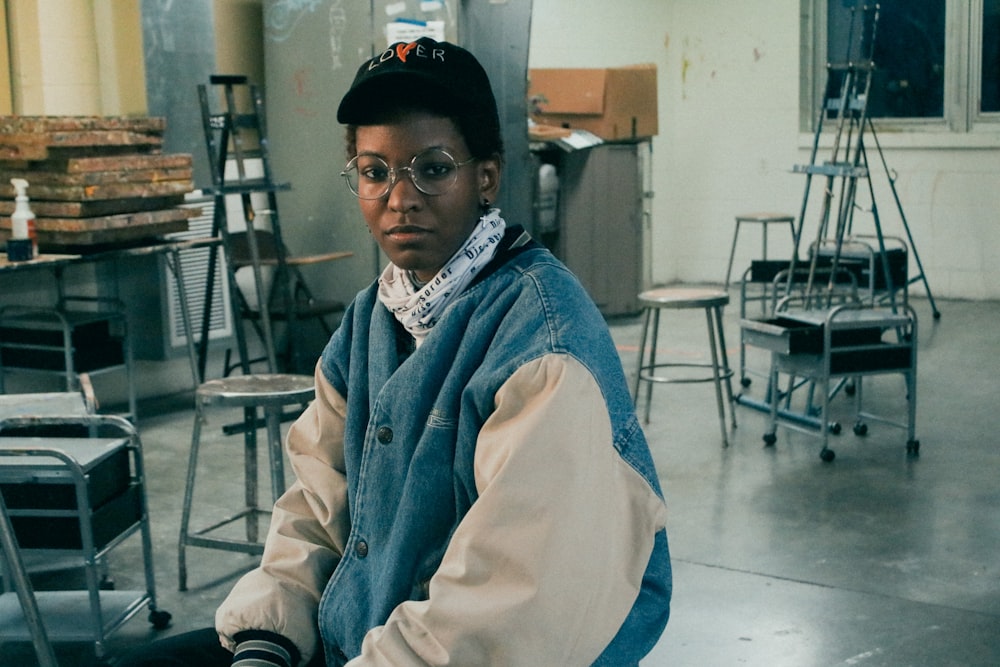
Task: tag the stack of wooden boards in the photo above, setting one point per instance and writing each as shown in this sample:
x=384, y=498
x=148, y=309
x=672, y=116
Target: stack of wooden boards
x=93, y=180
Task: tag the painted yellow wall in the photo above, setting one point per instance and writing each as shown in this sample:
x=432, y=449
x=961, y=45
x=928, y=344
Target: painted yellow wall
x=85, y=57
x=6, y=105
x=120, y=60
x=75, y=57
x=239, y=38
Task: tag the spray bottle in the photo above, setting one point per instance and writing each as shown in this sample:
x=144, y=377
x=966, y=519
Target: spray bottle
x=23, y=244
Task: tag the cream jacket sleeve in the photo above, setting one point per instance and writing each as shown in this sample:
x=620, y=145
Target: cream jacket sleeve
x=306, y=537
x=548, y=561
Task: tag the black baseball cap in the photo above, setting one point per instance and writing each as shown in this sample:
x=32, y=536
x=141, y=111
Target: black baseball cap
x=441, y=74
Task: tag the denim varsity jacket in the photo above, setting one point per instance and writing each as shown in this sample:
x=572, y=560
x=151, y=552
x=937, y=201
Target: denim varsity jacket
x=486, y=499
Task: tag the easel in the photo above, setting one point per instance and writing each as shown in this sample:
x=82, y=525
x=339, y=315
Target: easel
x=848, y=162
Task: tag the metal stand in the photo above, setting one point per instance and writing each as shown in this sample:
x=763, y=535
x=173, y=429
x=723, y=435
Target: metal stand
x=890, y=175
x=846, y=99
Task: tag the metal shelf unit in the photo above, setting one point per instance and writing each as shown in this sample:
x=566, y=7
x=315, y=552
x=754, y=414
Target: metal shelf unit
x=73, y=489
x=78, y=335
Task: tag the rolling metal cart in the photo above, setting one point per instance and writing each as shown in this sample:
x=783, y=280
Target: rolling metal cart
x=847, y=342
x=767, y=282
x=74, y=487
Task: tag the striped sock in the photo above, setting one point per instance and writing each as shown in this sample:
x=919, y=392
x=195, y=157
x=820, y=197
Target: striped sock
x=261, y=653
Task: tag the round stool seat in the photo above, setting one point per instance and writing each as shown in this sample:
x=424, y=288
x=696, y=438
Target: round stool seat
x=712, y=301
x=683, y=297
x=765, y=217
x=258, y=390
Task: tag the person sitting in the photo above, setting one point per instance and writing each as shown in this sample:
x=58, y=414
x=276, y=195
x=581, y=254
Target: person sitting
x=472, y=486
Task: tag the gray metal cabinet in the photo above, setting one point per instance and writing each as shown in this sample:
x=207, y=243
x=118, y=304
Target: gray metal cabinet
x=600, y=223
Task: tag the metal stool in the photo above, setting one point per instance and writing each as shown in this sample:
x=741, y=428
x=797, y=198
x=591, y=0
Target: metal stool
x=679, y=298
x=272, y=393
x=764, y=219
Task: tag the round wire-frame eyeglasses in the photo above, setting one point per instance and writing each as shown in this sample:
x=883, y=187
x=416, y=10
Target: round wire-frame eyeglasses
x=432, y=171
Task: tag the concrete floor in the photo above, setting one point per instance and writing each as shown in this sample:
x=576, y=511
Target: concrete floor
x=875, y=559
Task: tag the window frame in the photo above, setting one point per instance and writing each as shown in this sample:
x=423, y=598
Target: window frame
x=962, y=77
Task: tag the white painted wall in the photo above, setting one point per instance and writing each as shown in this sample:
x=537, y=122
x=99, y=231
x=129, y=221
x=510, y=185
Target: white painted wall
x=729, y=137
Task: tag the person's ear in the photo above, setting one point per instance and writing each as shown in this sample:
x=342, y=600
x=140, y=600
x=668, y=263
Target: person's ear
x=489, y=178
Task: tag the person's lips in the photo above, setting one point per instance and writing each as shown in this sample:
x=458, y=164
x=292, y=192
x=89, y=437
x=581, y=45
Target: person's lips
x=406, y=233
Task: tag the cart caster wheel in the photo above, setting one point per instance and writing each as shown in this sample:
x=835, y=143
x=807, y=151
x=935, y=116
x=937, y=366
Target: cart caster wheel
x=861, y=429
x=827, y=455
x=770, y=439
x=913, y=448
x=745, y=382
x=835, y=428
x=850, y=389
x=159, y=619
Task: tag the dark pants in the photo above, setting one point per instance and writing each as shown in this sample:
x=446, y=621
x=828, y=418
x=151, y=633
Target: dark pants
x=198, y=648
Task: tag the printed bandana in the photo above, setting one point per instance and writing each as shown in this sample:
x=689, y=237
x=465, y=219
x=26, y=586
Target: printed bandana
x=419, y=308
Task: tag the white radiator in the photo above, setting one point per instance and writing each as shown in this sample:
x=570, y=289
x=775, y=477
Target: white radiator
x=194, y=270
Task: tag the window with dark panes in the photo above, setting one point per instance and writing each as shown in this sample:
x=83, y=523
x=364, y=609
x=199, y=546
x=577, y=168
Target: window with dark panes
x=990, y=95
x=908, y=52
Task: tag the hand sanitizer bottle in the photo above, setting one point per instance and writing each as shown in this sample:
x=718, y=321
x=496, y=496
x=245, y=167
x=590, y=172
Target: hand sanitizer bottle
x=24, y=241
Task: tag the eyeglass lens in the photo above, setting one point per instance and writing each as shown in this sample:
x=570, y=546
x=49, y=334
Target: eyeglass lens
x=433, y=172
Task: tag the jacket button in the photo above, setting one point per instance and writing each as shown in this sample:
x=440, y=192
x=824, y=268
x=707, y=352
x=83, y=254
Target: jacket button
x=384, y=435
x=361, y=549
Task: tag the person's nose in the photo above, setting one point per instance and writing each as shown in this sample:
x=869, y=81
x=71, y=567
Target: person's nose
x=403, y=193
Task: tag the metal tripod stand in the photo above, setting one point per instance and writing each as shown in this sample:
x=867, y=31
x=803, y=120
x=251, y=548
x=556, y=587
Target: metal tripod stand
x=846, y=100
x=891, y=176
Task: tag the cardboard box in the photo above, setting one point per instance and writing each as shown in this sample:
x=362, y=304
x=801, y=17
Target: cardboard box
x=616, y=104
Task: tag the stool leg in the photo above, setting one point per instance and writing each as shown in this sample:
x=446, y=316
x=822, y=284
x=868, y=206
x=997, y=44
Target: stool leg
x=274, y=451
x=652, y=359
x=858, y=398
x=250, y=471
x=642, y=357
x=188, y=496
x=912, y=446
x=732, y=253
x=727, y=374
x=774, y=395
x=716, y=375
